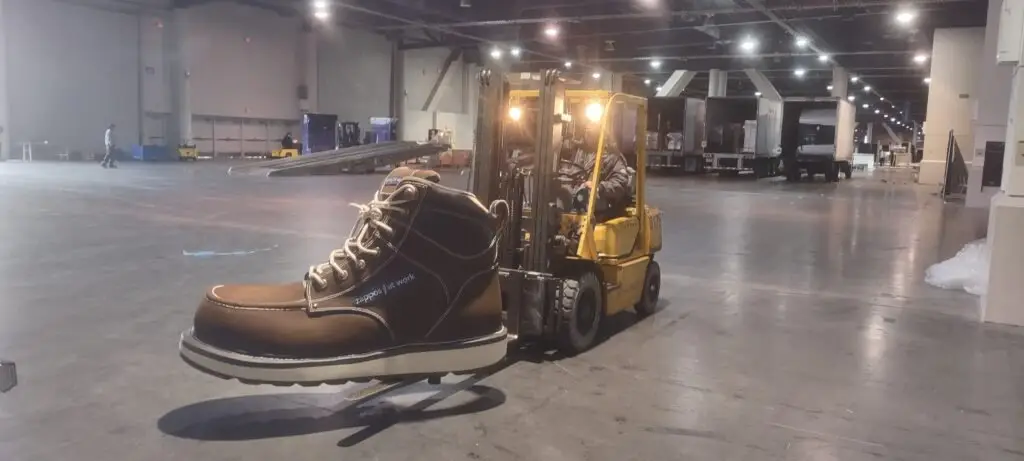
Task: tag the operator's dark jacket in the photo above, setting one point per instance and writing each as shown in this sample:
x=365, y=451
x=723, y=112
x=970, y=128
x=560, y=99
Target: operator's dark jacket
x=614, y=184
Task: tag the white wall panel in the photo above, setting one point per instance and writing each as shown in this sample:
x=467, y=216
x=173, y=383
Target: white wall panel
x=72, y=71
x=354, y=75
x=422, y=68
x=243, y=62
x=202, y=134
x=455, y=110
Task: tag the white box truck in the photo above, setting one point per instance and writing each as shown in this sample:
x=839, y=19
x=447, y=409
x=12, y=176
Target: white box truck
x=817, y=137
x=675, y=131
x=743, y=134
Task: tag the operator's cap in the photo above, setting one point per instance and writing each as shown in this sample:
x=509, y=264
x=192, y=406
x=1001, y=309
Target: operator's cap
x=396, y=176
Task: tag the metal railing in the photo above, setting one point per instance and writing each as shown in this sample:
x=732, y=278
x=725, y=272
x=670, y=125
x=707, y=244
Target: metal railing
x=954, y=186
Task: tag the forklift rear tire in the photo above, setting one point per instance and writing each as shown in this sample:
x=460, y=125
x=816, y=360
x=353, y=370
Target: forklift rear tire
x=582, y=306
x=652, y=289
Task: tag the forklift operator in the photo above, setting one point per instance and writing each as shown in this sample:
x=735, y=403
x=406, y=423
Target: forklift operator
x=577, y=167
x=288, y=142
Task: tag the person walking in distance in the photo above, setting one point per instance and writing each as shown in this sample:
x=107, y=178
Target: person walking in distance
x=110, y=142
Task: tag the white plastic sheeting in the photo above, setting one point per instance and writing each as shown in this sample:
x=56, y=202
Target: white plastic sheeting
x=967, y=271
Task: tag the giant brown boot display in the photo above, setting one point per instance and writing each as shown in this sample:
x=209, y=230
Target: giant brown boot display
x=413, y=291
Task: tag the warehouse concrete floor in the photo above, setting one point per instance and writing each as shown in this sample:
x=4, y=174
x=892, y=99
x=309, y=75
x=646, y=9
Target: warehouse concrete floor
x=795, y=325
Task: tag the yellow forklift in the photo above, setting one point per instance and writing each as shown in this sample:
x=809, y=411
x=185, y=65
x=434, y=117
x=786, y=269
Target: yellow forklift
x=563, y=271
x=188, y=152
x=284, y=153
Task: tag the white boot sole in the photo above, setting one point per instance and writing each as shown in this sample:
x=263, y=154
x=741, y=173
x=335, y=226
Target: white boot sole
x=412, y=360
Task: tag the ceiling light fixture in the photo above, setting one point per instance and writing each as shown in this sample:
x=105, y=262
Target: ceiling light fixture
x=647, y=81
x=822, y=57
x=927, y=80
x=854, y=79
x=568, y=64
x=865, y=106
x=877, y=111
x=551, y=31
x=851, y=97
x=880, y=98
x=757, y=93
x=658, y=89
x=496, y=53
x=802, y=42
x=516, y=51
x=656, y=64
x=829, y=87
x=920, y=58
x=596, y=75
x=322, y=15
x=905, y=16
x=799, y=72
x=867, y=88
x=749, y=45
x=320, y=4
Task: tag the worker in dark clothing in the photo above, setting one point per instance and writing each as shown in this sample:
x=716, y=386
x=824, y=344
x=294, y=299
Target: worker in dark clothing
x=288, y=142
x=613, y=189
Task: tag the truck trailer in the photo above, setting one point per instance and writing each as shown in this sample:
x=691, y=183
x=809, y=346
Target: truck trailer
x=743, y=133
x=675, y=134
x=817, y=137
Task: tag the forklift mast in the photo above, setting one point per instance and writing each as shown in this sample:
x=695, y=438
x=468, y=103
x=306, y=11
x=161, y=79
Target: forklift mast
x=546, y=162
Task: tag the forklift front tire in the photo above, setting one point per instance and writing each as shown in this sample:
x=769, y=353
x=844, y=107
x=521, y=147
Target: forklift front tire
x=582, y=309
x=652, y=289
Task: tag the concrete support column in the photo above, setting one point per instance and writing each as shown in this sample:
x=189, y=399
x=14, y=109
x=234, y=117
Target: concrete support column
x=870, y=137
x=609, y=81
x=308, y=68
x=718, y=81
x=840, y=82
x=989, y=125
x=181, y=102
x=763, y=85
x=1002, y=302
x=5, y=137
x=676, y=83
x=397, y=103
x=956, y=61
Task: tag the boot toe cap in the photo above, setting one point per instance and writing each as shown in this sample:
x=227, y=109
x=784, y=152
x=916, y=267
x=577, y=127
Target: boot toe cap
x=263, y=321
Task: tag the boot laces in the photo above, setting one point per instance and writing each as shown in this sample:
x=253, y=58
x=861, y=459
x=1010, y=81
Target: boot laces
x=371, y=217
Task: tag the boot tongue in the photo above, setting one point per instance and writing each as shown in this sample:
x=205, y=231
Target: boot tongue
x=396, y=176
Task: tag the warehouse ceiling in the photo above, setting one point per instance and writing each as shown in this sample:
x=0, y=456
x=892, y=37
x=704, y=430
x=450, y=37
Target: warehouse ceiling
x=648, y=39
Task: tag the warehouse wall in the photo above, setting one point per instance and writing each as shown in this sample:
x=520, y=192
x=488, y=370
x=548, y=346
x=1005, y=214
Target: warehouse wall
x=456, y=108
x=71, y=71
x=243, y=62
x=955, y=62
x=353, y=75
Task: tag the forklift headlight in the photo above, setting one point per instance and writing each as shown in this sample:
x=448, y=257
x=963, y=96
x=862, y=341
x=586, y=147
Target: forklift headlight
x=593, y=111
x=515, y=113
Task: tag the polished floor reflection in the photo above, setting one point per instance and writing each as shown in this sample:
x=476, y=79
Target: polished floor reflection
x=795, y=326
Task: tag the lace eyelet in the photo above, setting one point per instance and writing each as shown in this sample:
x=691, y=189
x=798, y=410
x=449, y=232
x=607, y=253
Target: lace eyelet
x=343, y=275
x=361, y=264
